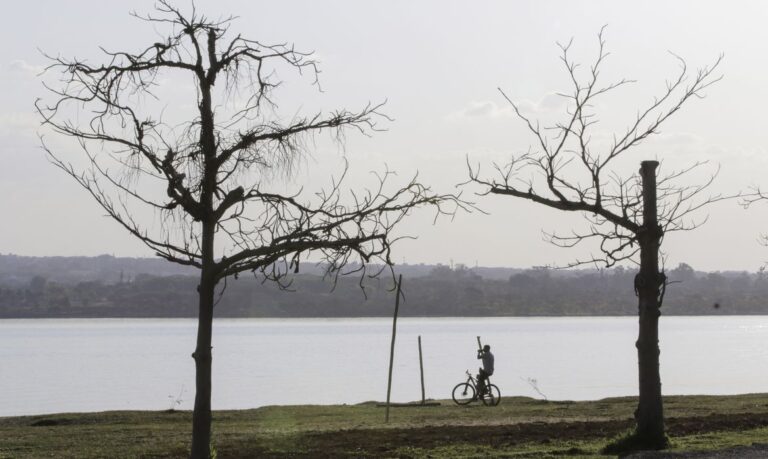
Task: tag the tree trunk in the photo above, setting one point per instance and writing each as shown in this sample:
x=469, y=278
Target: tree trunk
x=650, y=412
x=201, y=417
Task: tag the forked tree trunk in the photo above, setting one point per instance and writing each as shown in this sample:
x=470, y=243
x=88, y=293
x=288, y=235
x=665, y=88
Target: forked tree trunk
x=201, y=416
x=650, y=411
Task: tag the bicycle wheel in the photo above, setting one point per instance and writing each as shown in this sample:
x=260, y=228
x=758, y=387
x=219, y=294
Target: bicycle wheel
x=492, y=395
x=463, y=393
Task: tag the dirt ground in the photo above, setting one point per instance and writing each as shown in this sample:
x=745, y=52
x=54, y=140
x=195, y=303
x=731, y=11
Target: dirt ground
x=384, y=442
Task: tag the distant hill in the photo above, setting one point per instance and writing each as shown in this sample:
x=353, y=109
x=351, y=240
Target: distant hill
x=18, y=270
x=107, y=286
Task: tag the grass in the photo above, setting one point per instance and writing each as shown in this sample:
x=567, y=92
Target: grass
x=519, y=427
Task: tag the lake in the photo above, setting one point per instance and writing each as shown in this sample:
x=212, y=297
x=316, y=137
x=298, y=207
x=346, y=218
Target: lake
x=77, y=365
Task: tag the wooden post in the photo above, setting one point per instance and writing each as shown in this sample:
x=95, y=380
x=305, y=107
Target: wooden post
x=421, y=369
x=392, y=347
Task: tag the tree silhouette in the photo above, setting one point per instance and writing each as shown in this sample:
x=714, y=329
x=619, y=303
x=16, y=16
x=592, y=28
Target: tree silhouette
x=565, y=171
x=215, y=178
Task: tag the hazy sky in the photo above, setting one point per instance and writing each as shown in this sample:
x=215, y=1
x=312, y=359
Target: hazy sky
x=437, y=64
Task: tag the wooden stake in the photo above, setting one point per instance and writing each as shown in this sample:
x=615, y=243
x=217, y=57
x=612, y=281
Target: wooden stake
x=392, y=347
x=421, y=369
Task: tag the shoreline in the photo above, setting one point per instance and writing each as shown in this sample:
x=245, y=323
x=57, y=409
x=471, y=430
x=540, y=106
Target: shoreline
x=395, y=404
x=400, y=316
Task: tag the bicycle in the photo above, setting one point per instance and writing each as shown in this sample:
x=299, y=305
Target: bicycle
x=465, y=393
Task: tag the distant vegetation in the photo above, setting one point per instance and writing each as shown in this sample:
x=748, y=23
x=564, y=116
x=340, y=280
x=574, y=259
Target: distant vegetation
x=106, y=286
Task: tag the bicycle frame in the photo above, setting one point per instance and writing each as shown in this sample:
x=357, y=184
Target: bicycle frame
x=490, y=395
x=471, y=380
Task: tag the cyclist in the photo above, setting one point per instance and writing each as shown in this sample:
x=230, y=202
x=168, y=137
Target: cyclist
x=486, y=370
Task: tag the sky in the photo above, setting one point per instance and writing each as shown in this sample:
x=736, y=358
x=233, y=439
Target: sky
x=438, y=65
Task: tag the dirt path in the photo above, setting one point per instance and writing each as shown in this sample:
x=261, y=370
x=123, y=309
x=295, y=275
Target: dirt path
x=757, y=451
x=384, y=442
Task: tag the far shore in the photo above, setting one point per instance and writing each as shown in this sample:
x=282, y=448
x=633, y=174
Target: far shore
x=403, y=316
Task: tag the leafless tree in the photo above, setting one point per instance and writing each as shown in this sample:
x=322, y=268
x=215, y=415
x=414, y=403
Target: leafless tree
x=215, y=179
x=566, y=171
x=756, y=195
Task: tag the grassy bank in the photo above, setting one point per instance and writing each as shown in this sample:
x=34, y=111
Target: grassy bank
x=519, y=427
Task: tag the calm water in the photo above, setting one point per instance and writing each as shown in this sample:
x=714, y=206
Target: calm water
x=108, y=364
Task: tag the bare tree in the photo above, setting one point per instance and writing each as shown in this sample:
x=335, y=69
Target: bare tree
x=215, y=177
x=755, y=195
x=565, y=171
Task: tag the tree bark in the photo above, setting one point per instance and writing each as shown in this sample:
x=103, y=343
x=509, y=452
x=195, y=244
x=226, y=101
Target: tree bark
x=201, y=417
x=650, y=412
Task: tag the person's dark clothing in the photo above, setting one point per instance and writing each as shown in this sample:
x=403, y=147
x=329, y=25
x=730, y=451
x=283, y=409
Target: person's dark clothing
x=487, y=358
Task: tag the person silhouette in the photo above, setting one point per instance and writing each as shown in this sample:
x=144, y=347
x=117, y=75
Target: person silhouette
x=487, y=369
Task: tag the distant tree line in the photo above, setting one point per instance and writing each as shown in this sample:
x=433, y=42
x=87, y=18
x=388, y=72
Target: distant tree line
x=429, y=291
x=17, y=270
